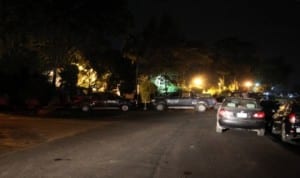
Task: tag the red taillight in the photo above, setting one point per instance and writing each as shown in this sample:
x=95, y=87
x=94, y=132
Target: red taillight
x=222, y=112
x=259, y=115
x=292, y=118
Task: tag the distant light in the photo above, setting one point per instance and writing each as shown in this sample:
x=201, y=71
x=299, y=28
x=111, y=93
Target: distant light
x=248, y=84
x=80, y=68
x=257, y=84
x=197, y=81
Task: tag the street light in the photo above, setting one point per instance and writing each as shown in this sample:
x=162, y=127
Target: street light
x=197, y=82
x=248, y=84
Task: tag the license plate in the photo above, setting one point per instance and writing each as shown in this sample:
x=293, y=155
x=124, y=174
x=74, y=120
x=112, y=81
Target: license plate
x=241, y=115
x=298, y=130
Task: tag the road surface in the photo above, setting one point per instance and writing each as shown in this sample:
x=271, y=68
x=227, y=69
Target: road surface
x=149, y=144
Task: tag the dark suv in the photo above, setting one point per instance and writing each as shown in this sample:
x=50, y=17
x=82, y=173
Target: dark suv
x=103, y=101
x=184, y=100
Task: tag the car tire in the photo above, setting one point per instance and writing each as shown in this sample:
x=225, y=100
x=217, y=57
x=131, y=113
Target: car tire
x=124, y=107
x=85, y=108
x=201, y=108
x=283, y=133
x=219, y=129
x=160, y=107
x=261, y=132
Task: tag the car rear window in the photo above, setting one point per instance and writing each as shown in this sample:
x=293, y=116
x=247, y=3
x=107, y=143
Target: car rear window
x=241, y=103
x=231, y=105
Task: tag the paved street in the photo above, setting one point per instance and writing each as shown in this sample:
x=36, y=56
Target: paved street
x=144, y=144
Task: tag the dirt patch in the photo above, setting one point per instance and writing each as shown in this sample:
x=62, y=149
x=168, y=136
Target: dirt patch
x=23, y=132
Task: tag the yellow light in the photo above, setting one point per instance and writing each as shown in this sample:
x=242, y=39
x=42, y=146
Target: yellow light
x=197, y=81
x=80, y=68
x=248, y=84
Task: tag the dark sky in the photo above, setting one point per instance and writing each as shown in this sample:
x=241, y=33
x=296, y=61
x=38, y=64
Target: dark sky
x=273, y=26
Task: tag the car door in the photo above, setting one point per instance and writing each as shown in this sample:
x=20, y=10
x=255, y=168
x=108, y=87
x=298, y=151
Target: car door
x=181, y=101
x=98, y=101
x=112, y=101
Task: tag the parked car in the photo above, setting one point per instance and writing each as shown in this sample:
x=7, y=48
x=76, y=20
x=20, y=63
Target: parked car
x=102, y=101
x=240, y=113
x=286, y=121
x=184, y=100
x=269, y=107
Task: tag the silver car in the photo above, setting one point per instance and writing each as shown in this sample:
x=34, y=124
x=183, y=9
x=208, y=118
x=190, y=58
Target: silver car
x=240, y=113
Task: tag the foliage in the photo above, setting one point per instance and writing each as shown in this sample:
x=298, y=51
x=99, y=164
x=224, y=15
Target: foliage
x=20, y=61
x=69, y=77
x=56, y=28
x=234, y=59
x=161, y=50
x=21, y=76
x=152, y=49
x=147, y=88
x=38, y=36
x=274, y=71
x=46, y=35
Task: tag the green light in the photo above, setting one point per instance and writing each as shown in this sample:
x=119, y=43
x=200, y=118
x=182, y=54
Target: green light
x=164, y=85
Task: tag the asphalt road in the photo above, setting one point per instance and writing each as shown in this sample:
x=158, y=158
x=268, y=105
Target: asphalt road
x=149, y=144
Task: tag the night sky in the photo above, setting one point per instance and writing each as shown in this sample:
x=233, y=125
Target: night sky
x=273, y=26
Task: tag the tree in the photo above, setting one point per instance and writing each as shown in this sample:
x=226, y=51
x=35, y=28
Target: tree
x=21, y=71
x=147, y=88
x=191, y=59
x=69, y=76
x=235, y=60
x=56, y=28
x=274, y=71
x=152, y=48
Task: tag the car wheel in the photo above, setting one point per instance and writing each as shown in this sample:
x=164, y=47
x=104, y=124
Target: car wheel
x=261, y=132
x=85, y=108
x=283, y=133
x=201, y=108
x=160, y=107
x=124, y=107
x=219, y=129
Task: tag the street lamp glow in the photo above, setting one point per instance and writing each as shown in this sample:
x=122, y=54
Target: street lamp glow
x=197, y=82
x=248, y=84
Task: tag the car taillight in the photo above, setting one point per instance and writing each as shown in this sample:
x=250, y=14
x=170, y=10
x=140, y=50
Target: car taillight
x=222, y=112
x=259, y=115
x=225, y=113
x=292, y=118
